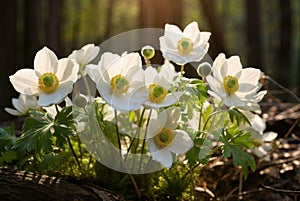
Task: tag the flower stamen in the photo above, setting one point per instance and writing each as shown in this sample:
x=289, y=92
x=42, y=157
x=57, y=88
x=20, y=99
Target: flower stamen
x=48, y=83
x=231, y=84
x=157, y=93
x=119, y=83
x=185, y=46
x=163, y=138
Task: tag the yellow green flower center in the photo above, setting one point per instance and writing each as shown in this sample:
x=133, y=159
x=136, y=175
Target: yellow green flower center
x=257, y=142
x=119, y=83
x=163, y=138
x=157, y=93
x=185, y=46
x=48, y=83
x=231, y=84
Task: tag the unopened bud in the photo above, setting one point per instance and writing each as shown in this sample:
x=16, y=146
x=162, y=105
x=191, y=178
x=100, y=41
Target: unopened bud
x=80, y=101
x=204, y=69
x=148, y=52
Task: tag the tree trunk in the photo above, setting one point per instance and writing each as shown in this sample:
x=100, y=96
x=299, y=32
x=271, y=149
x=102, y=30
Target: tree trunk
x=32, y=32
x=156, y=13
x=8, y=53
x=217, y=44
x=284, y=51
x=52, y=26
x=253, y=34
x=23, y=186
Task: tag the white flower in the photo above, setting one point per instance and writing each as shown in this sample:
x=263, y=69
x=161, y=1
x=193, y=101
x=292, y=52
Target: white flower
x=163, y=138
x=120, y=80
x=158, y=85
x=85, y=55
x=184, y=47
x=232, y=84
x=262, y=140
x=22, y=105
x=51, y=79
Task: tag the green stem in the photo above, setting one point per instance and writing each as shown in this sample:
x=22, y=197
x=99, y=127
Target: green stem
x=137, y=130
x=144, y=140
x=210, y=116
x=73, y=152
x=182, y=70
x=200, y=117
x=87, y=86
x=117, y=130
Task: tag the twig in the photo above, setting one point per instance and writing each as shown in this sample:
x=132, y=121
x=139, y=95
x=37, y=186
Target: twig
x=282, y=87
x=277, y=163
x=291, y=128
x=280, y=190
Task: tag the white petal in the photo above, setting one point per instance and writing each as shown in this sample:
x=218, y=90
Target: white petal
x=181, y=143
x=192, y=32
x=107, y=59
x=173, y=33
x=234, y=101
x=67, y=70
x=218, y=66
x=155, y=125
x=250, y=75
x=234, y=65
x=269, y=136
x=16, y=104
x=90, y=52
x=163, y=156
x=204, y=37
x=124, y=64
x=173, y=117
x=56, y=97
x=259, y=151
x=93, y=72
x=25, y=81
x=132, y=100
x=13, y=112
x=150, y=73
x=45, y=61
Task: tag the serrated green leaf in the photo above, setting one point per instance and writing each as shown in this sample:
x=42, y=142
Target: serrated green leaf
x=36, y=133
x=237, y=117
x=239, y=158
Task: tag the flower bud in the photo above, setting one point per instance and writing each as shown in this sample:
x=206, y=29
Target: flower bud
x=204, y=69
x=80, y=101
x=148, y=52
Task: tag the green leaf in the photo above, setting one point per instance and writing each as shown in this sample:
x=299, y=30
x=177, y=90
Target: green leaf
x=7, y=138
x=239, y=158
x=9, y=156
x=64, y=125
x=36, y=133
x=237, y=117
x=234, y=141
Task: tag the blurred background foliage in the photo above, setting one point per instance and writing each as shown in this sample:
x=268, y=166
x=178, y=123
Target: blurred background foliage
x=265, y=34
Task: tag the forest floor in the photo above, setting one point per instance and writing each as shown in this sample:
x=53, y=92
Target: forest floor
x=277, y=179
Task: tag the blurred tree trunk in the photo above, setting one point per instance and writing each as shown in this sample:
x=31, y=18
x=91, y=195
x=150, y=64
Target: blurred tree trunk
x=156, y=13
x=52, y=26
x=8, y=53
x=253, y=33
x=217, y=44
x=33, y=17
x=109, y=18
x=285, y=33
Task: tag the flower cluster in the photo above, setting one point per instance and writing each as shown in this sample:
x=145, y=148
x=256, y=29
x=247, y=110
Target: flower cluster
x=169, y=115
